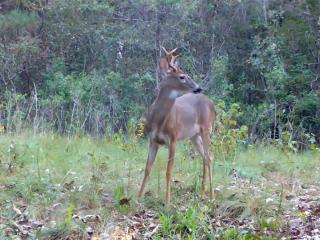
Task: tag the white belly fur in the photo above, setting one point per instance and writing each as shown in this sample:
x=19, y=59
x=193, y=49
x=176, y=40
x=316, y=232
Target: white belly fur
x=187, y=133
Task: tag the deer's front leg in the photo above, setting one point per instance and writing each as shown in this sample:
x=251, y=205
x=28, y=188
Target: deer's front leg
x=153, y=149
x=172, y=152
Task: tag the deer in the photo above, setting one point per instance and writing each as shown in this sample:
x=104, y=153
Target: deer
x=172, y=118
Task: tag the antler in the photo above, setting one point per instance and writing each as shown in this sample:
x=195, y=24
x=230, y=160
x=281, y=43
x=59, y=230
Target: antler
x=168, y=53
x=174, y=59
x=171, y=59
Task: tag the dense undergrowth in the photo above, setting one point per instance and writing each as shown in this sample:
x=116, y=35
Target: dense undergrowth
x=53, y=187
x=92, y=65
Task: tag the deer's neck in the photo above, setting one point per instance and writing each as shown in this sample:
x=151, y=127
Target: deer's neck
x=161, y=108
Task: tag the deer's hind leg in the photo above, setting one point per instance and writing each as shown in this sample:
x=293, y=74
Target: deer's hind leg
x=205, y=135
x=198, y=144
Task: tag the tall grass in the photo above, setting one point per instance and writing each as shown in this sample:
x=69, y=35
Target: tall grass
x=43, y=170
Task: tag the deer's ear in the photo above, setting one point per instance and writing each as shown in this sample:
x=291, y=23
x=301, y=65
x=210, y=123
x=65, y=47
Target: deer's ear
x=163, y=67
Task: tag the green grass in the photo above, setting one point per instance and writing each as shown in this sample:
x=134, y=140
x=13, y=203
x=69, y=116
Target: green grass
x=85, y=173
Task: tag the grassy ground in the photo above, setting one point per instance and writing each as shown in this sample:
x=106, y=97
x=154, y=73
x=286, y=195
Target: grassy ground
x=52, y=187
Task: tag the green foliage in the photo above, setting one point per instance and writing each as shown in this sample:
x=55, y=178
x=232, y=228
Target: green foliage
x=68, y=228
x=220, y=86
x=118, y=194
x=166, y=221
x=189, y=224
x=121, y=202
x=16, y=19
x=229, y=133
x=231, y=234
x=193, y=224
x=85, y=66
x=70, y=214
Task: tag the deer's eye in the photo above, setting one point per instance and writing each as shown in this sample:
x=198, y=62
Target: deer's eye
x=182, y=77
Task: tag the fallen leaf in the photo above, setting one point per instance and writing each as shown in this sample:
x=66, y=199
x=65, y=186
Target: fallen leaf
x=125, y=201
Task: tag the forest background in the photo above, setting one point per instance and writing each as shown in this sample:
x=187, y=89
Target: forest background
x=83, y=66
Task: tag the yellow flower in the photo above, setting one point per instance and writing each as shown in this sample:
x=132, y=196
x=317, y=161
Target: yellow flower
x=233, y=122
x=140, y=128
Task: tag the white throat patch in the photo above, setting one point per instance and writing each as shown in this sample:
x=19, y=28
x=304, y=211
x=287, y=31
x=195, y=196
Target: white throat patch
x=173, y=94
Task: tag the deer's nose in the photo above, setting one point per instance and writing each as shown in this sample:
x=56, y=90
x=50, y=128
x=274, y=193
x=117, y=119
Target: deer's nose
x=198, y=90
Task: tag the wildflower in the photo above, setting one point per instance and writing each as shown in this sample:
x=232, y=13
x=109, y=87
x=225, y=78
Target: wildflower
x=140, y=128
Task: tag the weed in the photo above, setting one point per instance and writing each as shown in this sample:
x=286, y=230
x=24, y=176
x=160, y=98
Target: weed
x=122, y=203
x=230, y=234
x=49, y=172
x=192, y=223
x=68, y=229
x=166, y=221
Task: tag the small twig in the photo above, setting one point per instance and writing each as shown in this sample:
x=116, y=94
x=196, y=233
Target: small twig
x=155, y=230
x=36, y=105
x=280, y=201
x=65, y=176
x=16, y=210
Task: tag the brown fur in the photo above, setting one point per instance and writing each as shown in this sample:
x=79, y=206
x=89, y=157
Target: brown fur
x=172, y=118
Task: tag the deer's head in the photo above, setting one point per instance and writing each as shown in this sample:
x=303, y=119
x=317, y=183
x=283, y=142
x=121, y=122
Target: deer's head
x=173, y=76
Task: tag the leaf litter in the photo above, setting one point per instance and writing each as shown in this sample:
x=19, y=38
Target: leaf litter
x=297, y=205
x=300, y=217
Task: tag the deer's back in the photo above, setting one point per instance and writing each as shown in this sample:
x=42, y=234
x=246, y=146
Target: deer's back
x=196, y=104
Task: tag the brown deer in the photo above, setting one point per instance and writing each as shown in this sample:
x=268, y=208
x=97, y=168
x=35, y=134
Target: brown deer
x=172, y=118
